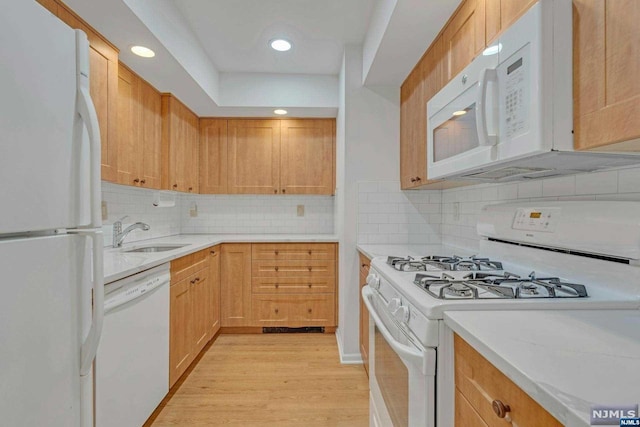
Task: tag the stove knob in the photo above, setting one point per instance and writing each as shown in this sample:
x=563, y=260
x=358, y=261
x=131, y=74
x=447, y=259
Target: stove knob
x=394, y=305
x=373, y=281
x=402, y=314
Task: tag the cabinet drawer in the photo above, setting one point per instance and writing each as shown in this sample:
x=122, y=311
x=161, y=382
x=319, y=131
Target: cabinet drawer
x=280, y=285
x=294, y=251
x=187, y=265
x=277, y=268
x=481, y=384
x=294, y=310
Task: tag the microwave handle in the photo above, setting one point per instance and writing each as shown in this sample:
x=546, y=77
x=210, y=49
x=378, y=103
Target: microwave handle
x=488, y=74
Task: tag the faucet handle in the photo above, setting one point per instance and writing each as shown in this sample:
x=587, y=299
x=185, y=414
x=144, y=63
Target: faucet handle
x=121, y=219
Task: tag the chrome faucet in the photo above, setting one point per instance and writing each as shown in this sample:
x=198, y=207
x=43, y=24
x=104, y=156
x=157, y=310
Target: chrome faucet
x=119, y=234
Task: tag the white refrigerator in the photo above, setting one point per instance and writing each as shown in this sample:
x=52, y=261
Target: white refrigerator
x=51, y=276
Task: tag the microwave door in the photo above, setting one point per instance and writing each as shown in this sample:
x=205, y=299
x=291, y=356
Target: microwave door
x=463, y=134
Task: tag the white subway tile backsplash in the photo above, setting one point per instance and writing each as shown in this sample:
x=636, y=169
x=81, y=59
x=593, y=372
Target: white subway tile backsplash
x=562, y=186
x=597, y=183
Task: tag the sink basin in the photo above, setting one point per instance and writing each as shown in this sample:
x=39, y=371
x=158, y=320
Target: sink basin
x=164, y=248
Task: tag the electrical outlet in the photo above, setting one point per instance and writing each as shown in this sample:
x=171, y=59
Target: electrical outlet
x=193, y=210
x=456, y=211
x=105, y=211
x=300, y=210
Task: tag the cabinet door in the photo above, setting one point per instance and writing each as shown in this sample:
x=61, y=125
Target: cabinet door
x=180, y=330
x=254, y=156
x=235, y=284
x=307, y=156
x=464, y=36
x=606, y=48
x=199, y=283
x=130, y=149
x=151, y=135
x=213, y=156
x=193, y=151
x=214, y=290
x=176, y=145
x=103, y=87
x=412, y=130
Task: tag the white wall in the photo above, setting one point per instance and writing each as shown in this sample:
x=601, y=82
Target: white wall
x=367, y=149
x=621, y=184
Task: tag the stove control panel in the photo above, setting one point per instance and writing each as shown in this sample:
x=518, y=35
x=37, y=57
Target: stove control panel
x=534, y=219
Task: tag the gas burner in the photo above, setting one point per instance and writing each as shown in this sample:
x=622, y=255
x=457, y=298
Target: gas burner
x=406, y=264
x=479, y=285
x=457, y=263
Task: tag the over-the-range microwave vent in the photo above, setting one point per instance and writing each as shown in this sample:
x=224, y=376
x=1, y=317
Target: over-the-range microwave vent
x=508, y=172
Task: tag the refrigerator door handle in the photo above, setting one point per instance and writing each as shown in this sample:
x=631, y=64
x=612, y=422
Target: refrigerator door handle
x=90, y=344
x=89, y=116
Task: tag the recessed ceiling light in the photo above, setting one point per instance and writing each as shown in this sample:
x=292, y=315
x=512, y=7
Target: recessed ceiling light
x=492, y=50
x=281, y=45
x=145, y=52
x=459, y=113
x=280, y=112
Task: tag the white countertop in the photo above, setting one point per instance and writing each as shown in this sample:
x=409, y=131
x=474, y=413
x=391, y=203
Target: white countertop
x=119, y=264
x=565, y=360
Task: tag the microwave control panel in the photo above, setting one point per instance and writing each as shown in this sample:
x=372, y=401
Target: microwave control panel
x=534, y=219
x=515, y=72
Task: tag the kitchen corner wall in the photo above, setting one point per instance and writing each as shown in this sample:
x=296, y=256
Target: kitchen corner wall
x=220, y=214
x=387, y=215
x=460, y=230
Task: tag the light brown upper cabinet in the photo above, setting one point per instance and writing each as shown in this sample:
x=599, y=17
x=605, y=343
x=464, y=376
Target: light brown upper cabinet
x=606, y=48
x=464, y=35
x=180, y=138
x=307, y=156
x=213, y=156
x=281, y=156
x=139, y=137
x=500, y=14
x=254, y=156
x=103, y=84
x=413, y=160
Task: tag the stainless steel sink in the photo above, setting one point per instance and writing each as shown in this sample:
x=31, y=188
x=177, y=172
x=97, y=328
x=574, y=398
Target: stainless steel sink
x=164, y=248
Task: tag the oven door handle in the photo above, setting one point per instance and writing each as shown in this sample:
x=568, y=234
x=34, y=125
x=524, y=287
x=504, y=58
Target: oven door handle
x=404, y=351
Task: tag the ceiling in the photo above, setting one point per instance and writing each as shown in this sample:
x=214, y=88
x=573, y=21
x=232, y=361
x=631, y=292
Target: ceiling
x=235, y=34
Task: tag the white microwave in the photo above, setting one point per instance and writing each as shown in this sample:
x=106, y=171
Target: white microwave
x=509, y=114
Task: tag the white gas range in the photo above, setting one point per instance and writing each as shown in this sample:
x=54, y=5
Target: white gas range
x=547, y=255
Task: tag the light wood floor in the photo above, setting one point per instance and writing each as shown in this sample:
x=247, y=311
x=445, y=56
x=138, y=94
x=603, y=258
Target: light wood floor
x=270, y=380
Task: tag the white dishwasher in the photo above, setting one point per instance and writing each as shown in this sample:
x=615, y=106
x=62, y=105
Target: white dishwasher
x=132, y=364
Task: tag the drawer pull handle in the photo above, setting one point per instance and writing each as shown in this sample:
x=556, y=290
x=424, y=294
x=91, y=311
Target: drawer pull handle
x=500, y=408
x=276, y=268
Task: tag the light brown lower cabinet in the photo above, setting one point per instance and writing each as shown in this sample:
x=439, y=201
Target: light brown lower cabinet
x=194, y=308
x=365, y=263
x=235, y=282
x=484, y=394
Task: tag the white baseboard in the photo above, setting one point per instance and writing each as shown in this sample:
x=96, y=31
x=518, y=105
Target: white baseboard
x=348, y=358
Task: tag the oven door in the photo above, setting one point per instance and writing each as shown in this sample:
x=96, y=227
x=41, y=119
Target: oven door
x=462, y=121
x=401, y=370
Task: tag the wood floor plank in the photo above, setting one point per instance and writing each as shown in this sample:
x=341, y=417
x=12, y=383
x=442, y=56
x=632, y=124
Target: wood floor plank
x=282, y=380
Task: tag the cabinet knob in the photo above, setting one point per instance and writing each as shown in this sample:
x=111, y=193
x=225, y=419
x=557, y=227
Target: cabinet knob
x=136, y=180
x=276, y=268
x=276, y=310
x=363, y=265
x=143, y=181
x=175, y=185
x=309, y=311
x=212, y=252
x=284, y=191
x=310, y=252
x=309, y=285
x=413, y=180
x=418, y=178
x=277, y=286
x=276, y=252
x=309, y=268
x=275, y=191
x=190, y=188
x=500, y=408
